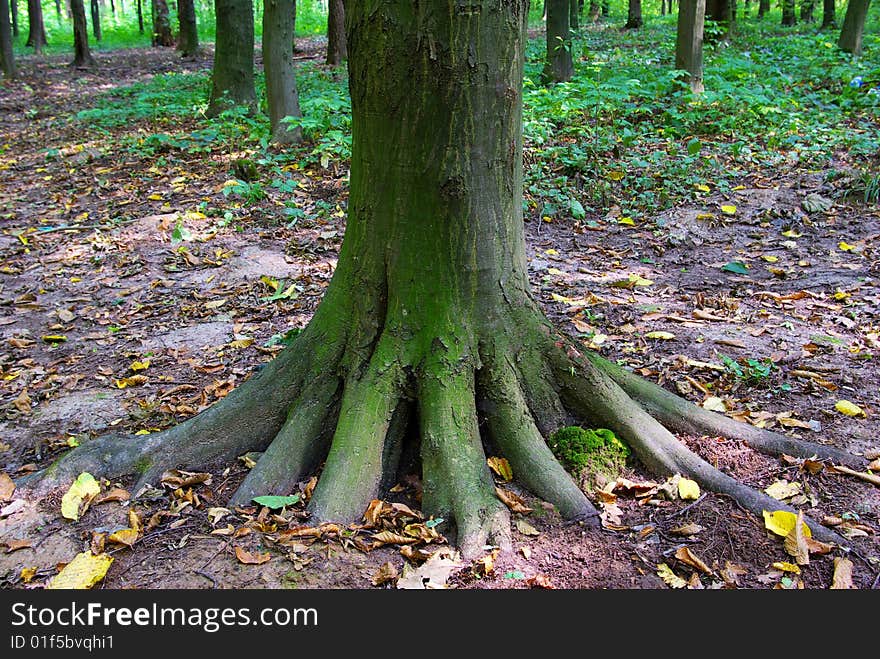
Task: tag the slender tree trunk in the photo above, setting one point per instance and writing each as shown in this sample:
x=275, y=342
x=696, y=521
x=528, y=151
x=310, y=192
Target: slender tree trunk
x=853, y=26
x=763, y=7
x=337, y=50
x=689, y=41
x=829, y=20
x=7, y=58
x=807, y=11
x=140, y=11
x=58, y=10
x=112, y=7
x=36, y=27
x=606, y=8
x=634, y=15
x=559, y=66
x=13, y=6
x=82, y=56
x=279, y=26
x=232, y=79
x=96, y=20
x=789, y=17
x=574, y=17
x=595, y=8
x=162, y=35
x=188, y=44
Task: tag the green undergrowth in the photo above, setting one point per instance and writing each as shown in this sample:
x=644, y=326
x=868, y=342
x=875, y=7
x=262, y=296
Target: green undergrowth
x=588, y=453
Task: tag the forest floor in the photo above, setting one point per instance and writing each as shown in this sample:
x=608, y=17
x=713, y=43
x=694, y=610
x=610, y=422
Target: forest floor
x=123, y=308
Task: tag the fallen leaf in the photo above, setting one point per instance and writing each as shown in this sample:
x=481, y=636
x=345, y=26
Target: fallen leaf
x=865, y=476
x=783, y=489
x=83, y=572
x=391, y=538
x=688, y=490
x=386, y=573
x=685, y=555
x=671, y=578
x=796, y=542
x=276, y=502
x=15, y=545
x=540, y=581
x=526, y=552
x=781, y=522
x=433, y=573
x=501, y=467
x=842, y=579
x=714, y=404
x=525, y=528
x=686, y=530
x=849, y=408
x=139, y=366
x=176, y=478
x=728, y=209
x=27, y=574
x=116, y=494
x=248, y=558
x=786, y=567
x=77, y=498
x=513, y=501
x=485, y=566
x=873, y=466
x=664, y=336
x=732, y=572
x=125, y=537
x=132, y=381
x=23, y=402
x=7, y=487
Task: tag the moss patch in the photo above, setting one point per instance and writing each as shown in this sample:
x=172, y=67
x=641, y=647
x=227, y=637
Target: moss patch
x=586, y=453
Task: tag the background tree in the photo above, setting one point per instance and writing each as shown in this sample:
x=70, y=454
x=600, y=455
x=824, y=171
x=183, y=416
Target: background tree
x=829, y=19
x=337, y=51
x=593, y=11
x=807, y=11
x=279, y=27
x=232, y=77
x=634, y=15
x=7, y=58
x=789, y=17
x=721, y=12
x=763, y=7
x=689, y=42
x=140, y=13
x=559, y=65
x=162, y=35
x=82, y=56
x=574, y=14
x=853, y=26
x=96, y=19
x=188, y=44
x=36, y=27
x=13, y=6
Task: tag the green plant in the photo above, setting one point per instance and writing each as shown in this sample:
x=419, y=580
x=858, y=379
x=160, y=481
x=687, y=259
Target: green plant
x=587, y=453
x=749, y=369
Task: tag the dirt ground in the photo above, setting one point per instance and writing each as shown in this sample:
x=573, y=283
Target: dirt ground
x=114, y=291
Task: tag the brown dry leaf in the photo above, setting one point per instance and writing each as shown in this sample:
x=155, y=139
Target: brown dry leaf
x=97, y=542
x=874, y=465
x=391, y=538
x=385, y=574
x=310, y=487
x=15, y=545
x=23, y=402
x=526, y=552
x=415, y=554
x=871, y=478
x=501, y=467
x=513, y=501
x=685, y=555
x=116, y=494
x=402, y=510
x=486, y=565
x=694, y=582
x=540, y=581
x=817, y=547
x=796, y=542
x=125, y=537
x=686, y=530
x=813, y=466
x=175, y=478
x=134, y=521
x=842, y=579
x=7, y=487
x=731, y=573
x=433, y=573
x=248, y=558
x=374, y=512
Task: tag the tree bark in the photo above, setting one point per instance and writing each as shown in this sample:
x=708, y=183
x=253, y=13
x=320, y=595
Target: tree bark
x=807, y=7
x=829, y=20
x=13, y=6
x=7, y=57
x=337, y=50
x=162, y=35
x=279, y=27
x=559, y=66
x=36, y=27
x=789, y=18
x=140, y=12
x=232, y=78
x=574, y=17
x=96, y=20
x=188, y=44
x=606, y=7
x=689, y=42
x=82, y=56
x=634, y=15
x=853, y=26
x=763, y=7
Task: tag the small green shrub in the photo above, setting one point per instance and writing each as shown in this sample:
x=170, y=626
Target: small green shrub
x=585, y=453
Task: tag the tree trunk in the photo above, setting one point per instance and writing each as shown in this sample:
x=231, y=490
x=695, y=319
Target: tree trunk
x=829, y=20
x=763, y=7
x=36, y=27
x=82, y=56
x=574, y=16
x=58, y=10
x=723, y=13
x=96, y=20
x=232, y=78
x=140, y=11
x=188, y=44
x=162, y=35
x=559, y=66
x=634, y=15
x=853, y=26
x=279, y=26
x=689, y=42
x=606, y=7
x=788, y=13
x=807, y=11
x=595, y=8
x=13, y=6
x=7, y=58
x=337, y=50
x=444, y=349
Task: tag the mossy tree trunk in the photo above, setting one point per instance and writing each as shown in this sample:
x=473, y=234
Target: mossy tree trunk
x=634, y=15
x=829, y=18
x=162, y=35
x=789, y=17
x=853, y=26
x=96, y=20
x=337, y=50
x=689, y=42
x=188, y=44
x=82, y=55
x=7, y=56
x=279, y=27
x=559, y=66
x=444, y=346
x=763, y=7
x=232, y=78
x=36, y=27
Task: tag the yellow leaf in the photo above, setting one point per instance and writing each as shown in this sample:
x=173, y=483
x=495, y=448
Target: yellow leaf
x=215, y=304
x=627, y=221
x=792, y=233
x=561, y=298
x=28, y=573
x=702, y=187
x=615, y=175
x=54, y=338
x=125, y=537
x=83, y=572
x=846, y=247
x=270, y=282
x=737, y=188
x=241, y=343
x=501, y=467
x=770, y=258
x=688, y=489
x=728, y=209
x=132, y=381
x=551, y=252
x=796, y=543
x=671, y=578
x=705, y=216
x=139, y=366
x=84, y=489
x=555, y=271
x=660, y=335
x=547, y=218
x=848, y=408
x=840, y=295
x=781, y=522
x=787, y=567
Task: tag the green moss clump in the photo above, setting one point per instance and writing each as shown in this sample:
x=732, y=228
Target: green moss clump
x=585, y=452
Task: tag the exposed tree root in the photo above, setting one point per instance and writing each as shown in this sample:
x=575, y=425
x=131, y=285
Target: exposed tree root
x=315, y=405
